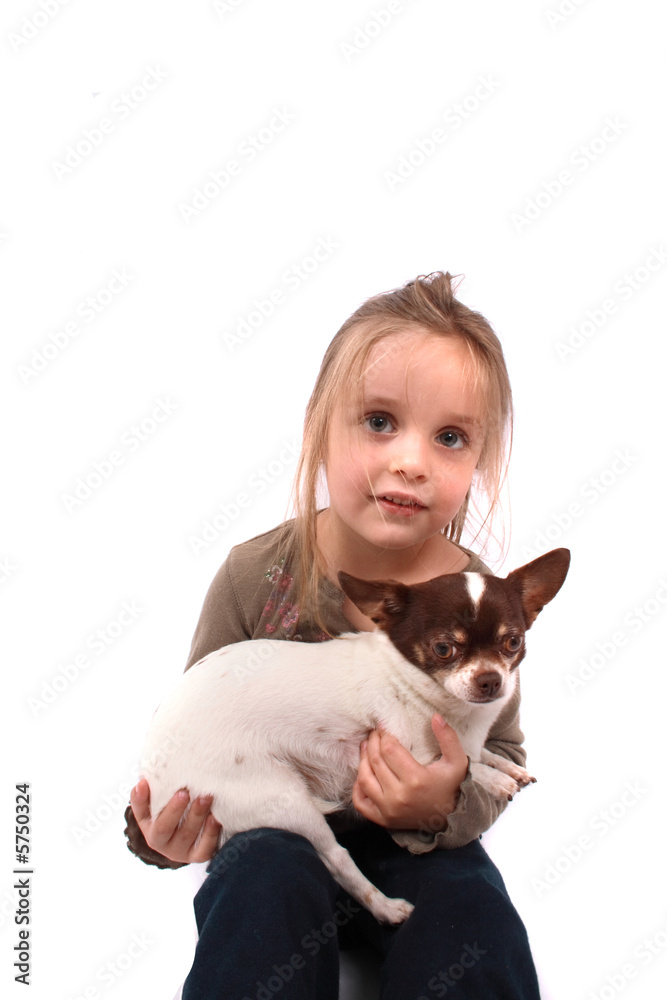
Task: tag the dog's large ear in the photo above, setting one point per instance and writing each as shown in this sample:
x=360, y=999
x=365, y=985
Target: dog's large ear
x=539, y=581
x=380, y=600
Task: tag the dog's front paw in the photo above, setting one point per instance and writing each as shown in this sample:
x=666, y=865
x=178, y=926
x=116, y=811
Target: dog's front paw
x=518, y=774
x=515, y=771
x=497, y=783
x=506, y=787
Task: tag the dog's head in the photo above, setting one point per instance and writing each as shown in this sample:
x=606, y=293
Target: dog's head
x=466, y=630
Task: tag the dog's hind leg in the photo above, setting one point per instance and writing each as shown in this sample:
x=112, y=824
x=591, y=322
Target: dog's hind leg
x=346, y=873
x=294, y=810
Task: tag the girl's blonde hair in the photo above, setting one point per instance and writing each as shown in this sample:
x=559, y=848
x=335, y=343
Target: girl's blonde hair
x=426, y=304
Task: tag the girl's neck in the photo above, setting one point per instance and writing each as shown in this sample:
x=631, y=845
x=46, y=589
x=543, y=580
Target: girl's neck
x=435, y=556
x=352, y=554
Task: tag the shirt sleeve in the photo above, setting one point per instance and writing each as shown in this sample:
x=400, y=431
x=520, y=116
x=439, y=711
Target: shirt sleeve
x=222, y=620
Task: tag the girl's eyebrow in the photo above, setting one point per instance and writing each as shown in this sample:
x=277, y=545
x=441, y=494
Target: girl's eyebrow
x=380, y=401
x=471, y=421
x=384, y=402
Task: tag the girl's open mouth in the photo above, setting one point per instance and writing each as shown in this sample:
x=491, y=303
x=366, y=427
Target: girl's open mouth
x=403, y=506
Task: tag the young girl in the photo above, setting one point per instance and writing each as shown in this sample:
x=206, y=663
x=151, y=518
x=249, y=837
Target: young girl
x=410, y=413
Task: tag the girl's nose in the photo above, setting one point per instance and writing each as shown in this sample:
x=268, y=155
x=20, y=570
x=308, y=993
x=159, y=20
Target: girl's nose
x=409, y=457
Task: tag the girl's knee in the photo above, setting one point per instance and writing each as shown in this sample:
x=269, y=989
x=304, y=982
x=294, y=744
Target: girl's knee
x=274, y=877
x=265, y=851
x=461, y=885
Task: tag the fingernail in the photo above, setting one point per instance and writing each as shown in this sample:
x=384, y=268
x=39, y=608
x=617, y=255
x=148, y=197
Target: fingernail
x=364, y=744
x=183, y=795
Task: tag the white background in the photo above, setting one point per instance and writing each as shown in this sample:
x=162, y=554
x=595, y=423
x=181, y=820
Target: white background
x=587, y=467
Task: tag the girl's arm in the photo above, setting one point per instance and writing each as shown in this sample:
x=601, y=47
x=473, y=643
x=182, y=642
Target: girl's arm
x=439, y=805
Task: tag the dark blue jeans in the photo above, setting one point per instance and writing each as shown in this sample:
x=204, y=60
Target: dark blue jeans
x=271, y=919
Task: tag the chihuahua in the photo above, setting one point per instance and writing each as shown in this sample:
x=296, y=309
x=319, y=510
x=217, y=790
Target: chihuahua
x=272, y=729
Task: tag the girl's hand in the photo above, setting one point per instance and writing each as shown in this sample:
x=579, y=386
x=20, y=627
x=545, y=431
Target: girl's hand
x=395, y=791
x=164, y=834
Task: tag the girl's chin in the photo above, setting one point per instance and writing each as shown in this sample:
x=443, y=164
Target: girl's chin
x=382, y=530
x=399, y=531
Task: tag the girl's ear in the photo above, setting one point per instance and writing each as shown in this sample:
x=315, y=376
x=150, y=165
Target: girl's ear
x=379, y=600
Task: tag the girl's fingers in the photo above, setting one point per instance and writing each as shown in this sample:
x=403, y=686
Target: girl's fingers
x=367, y=781
x=375, y=778
x=361, y=800
x=398, y=761
x=390, y=761
x=208, y=844
x=164, y=826
x=140, y=801
x=193, y=838
x=366, y=807
x=190, y=829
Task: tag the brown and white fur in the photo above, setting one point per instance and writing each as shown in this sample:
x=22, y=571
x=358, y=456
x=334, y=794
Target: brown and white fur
x=272, y=729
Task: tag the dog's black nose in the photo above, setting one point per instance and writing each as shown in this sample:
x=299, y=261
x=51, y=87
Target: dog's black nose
x=488, y=684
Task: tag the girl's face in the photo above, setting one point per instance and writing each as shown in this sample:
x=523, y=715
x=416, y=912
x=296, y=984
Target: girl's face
x=399, y=470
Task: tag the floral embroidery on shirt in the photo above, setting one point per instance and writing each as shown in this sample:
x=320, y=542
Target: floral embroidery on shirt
x=280, y=614
x=290, y=615
x=275, y=572
x=281, y=611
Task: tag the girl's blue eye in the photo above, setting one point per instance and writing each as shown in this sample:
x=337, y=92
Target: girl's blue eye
x=379, y=423
x=451, y=439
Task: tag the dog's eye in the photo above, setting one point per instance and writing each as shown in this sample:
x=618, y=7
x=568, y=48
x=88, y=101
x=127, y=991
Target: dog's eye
x=513, y=643
x=444, y=650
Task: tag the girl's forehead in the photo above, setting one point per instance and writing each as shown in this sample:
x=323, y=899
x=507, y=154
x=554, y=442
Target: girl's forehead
x=416, y=363
x=409, y=348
